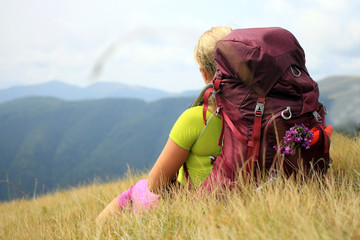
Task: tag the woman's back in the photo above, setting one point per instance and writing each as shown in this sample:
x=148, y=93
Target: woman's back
x=190, y=133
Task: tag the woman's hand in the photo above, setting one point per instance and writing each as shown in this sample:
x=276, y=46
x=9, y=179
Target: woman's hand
x=168, y=163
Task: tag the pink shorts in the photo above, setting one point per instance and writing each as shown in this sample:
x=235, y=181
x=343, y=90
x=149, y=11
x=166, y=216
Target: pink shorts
x=139, y=197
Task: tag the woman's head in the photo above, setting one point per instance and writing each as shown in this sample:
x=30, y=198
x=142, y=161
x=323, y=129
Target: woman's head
x=204, y=49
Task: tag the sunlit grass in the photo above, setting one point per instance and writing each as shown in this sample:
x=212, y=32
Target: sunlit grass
x=281, y=210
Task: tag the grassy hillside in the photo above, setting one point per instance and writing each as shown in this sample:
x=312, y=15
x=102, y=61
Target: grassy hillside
x=283, y=210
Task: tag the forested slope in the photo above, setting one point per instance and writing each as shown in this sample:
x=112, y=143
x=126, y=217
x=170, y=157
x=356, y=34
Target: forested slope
x=49, y=142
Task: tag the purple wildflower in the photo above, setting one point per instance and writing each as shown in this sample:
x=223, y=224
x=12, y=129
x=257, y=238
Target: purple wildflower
x=297, y=136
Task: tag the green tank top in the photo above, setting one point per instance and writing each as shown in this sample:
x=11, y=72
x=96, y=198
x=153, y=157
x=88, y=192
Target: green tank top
x=190, y=133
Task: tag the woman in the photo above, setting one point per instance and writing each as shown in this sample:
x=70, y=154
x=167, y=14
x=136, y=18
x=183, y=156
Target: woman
x=189, y=142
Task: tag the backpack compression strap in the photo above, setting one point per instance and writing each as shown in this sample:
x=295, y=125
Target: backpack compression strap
x=208, y=92
x=254, y=143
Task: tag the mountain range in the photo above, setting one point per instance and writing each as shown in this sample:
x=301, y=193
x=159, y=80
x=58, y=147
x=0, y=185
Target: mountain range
x=100, y=90
x=341, y=95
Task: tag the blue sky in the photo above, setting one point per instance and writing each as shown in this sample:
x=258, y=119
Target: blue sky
x=150, y=43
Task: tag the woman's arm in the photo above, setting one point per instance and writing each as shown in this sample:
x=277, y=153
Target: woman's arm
x=168, y=163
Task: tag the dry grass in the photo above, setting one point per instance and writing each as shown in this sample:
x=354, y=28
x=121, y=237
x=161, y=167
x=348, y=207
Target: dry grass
x=282, y=210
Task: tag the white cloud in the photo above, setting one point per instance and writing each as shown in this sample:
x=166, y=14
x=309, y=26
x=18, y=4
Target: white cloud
x=331, y=4
x=351, y=65
x=153, y=40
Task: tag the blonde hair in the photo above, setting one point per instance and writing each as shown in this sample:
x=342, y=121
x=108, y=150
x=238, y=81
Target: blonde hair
x=204, y=49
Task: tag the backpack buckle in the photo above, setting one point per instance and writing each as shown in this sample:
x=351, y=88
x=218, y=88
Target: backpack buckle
x=259, y=109
x=212, y=159
x=317, y=116
x=298, y=74
x=288, y=109
x=324, y=107
x=218, y=111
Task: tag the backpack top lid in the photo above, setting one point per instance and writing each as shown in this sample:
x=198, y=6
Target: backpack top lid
x=258, y=57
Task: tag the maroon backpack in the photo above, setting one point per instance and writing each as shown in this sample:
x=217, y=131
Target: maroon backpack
x=262, y=90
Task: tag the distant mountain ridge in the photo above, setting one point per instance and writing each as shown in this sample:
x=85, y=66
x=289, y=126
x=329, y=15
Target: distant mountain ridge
x=47, y=143
x=341, y=95
x=100, y=90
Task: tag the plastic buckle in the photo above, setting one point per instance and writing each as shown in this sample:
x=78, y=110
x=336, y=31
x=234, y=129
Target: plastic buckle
x=288, y=109
x=324, y=107
x=317, y=116
x=298, y=74
x=218, y=111
x=259, y=109
x=212, y=159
